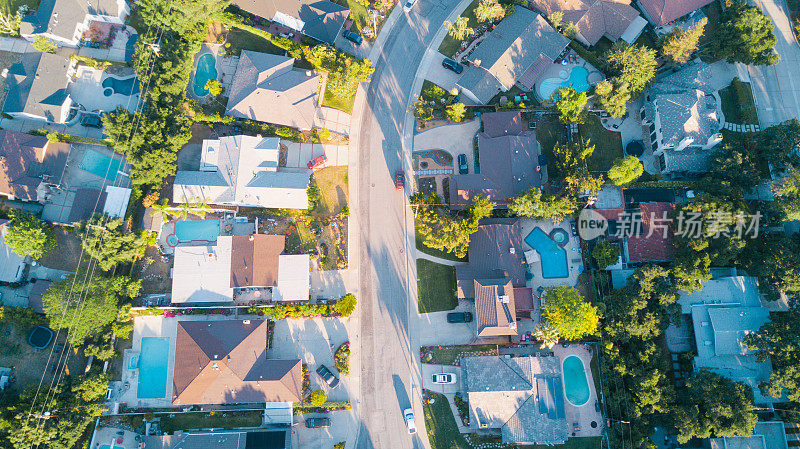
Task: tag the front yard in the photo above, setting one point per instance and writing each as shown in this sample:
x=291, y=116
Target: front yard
x=737, y=103
x=451, y=45
x=434, y=252
x=436, y=287
x=451, y=355
x=345, y=105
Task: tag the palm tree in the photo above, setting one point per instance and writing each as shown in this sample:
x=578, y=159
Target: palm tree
x=161, y=208
x=489, y=11
x=459, y=30
x=547, y=334
x=182, y=211
x=200, y=207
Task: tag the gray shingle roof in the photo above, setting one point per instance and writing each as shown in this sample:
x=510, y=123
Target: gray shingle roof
x=594, y=18
x=37, y=85
x=61, y=17
x=490, y=256
x=687, y=161
x=321, y=19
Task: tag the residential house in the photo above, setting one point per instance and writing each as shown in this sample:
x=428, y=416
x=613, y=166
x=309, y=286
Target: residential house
x=225, y=361
x=612, y=19
x=521, y=398
x=495, y=252
x=30, y=165
x=663, y=12
x=766, y=435
x=321, y=19
x=510, y=162
x=517, y=51
x=261, y=438
x=268, y=88
x=37, y=88
x=242, y=171
x=494, y=307
x=69, y=206
x=65, y=21
x=242, y=268
x=12, y=264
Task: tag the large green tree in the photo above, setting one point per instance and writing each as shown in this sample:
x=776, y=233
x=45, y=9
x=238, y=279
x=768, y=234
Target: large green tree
x=570, y=104
x=744, y=34
x=777, y=145
x=87, y=305
x=106, y=241
x=779, y=342
x=28, y=236
x=679, y=44
x=182, y=17
x=632, y=68
x=605, y=253
x=534, y=204
x=625, y=170
x=775, y=259
x=446, y=231
x=571, y=162
x=569, y=313
x=787, y=193
x=489, y=11
x=734, y=171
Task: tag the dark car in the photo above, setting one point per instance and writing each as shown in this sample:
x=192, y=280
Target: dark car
x=353, y=37
x=449, y=64
x=316, y=423
x=327, y=376
x=463, y=168
x=459, y=317
x=91, y=120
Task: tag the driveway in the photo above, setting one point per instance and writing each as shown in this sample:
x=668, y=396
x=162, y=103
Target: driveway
x=427, y=378
x=446, y=79
x=455, y=139
x=298, y=154
x=435, y=330
x=776, y=89
x=341, y=424
x=359, y=51
x=334, y=120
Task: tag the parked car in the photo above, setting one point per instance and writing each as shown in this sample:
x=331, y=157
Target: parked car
x=353, y=37
x=327, y=376
x=450, y=64
x=463, y=168
x=317, y=423
x=91, y=120
x=317, y=162
x=444, y=378
x=408, y=5
x=399, y=180
x=408, y=415
x=459, y=317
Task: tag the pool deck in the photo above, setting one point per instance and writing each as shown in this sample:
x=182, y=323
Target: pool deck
x=554, y=70
x=237, y=228
x=87, y=90
x=127, y=389
x=225, y=65
x=586, y=413
x=573, y=249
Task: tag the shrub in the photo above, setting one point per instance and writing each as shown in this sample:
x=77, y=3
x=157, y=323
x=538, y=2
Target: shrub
x=345, y=305
x=317, y=398
x=342, y=358
x=43, y=44
x=23, y=317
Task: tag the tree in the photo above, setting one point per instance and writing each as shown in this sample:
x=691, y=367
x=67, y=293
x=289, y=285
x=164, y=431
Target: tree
x=571, y=160
x=555, y=18
x=460, y=29
x=214, y=87
x=713, y=405
x=345, y=305
x=779, y=342
x=734, y=171
x=613, y=99
x=571, y=30
x=625, y=170
x=533, y=204
x=87, y=305
x=547, y=334
x=744, y=34
x=787, y=193
x=489, y=11
x=317, y=398
x=571, y=105
x=634, y=66
x=106, y=241
x=776, y=145
x=456, y=111
x=184, y=17
x=571, y=315
x=43, y=44
x=679, y=44
x=443, y=230
x=605, y=253
x=28, y=236
x=775, y=259
x=9, y=23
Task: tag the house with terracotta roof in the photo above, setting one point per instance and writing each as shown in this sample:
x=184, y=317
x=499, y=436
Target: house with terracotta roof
x=243, y=269
x=517, y=51
x=225, y=361
x=662, y=12
x=495, y=315
x=30, y=166
x=511, y=162
x=321, y=19
x=612, y=19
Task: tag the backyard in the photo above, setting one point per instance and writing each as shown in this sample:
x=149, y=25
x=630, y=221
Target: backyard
x=358, y=14
x=737, y=103
x=549, y=131
x=436, y=287
x=239, y=40
x=171, y=422
x=607, y=144
x=67, y=257
x=154, y=268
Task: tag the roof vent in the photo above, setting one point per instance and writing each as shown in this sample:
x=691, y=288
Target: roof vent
x=252, y=237
x=512, y=250
x=246, y=322
x=503, y=298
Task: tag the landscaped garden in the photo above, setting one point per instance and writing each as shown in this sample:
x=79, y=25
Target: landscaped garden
x=436, y=288
x=451, y=45
x=738, y=105
x=451, y=355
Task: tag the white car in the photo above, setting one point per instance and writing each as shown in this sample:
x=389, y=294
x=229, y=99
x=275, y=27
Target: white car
x=408, y=415
x=444, y=378
x=408, y=5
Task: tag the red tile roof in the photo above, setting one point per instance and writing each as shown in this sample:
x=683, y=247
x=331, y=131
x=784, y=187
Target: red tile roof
x=254, y=260
x=655, y=248
x=662, y=12
x=495, y=318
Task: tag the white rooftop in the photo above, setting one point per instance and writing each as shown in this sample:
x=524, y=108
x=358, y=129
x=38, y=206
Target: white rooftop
x=293, y=278
x=203, y=273
x=741, y=290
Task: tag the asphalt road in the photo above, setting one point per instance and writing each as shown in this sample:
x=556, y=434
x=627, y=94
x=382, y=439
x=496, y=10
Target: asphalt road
x=390, y=368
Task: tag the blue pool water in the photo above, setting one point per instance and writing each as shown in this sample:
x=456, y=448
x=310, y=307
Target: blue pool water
x=188, y=230
x=100, y=164
x=578, y=78
x=576, y=386
x=554, y=257
x=153, y=367
x=128, y=86
x=206, y=70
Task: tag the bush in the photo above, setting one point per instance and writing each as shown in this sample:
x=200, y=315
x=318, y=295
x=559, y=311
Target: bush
x=339, y=445
x=23, y=317
x=345, y=305
x=317, y=398
x=43, y=44
x=342, y=358
x=605, y=253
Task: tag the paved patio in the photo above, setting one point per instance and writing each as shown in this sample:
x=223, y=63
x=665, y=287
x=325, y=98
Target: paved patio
x=87, y=91
x=121, y=49
x=586, y=414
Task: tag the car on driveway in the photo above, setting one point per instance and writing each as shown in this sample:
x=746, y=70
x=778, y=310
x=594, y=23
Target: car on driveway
x=411, y=425
x=317, y=423
x=399, y=180
x=459, y=317
x=408, y=5
x=353, y=37
x=451, y=65
x=327, y=376
x=317, y=162
x=463, y=168
x=444, y=378
x=91, y=120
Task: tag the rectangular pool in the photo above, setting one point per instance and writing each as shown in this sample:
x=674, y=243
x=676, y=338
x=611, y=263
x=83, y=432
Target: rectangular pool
x=554, y=257
x=100, y=164
x=189, y=230
x=153, y=361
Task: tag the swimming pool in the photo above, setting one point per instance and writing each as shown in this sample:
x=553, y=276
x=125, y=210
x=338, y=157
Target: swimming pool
x=576, y=386
x=188, y=230
x=205, y=71
x=578, y=78
x=153, y=359
x=554, y=257
x=114, y=85
x=100, y=164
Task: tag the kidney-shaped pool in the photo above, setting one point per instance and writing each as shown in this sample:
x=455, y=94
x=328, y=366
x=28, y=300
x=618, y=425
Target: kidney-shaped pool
x=576, y=385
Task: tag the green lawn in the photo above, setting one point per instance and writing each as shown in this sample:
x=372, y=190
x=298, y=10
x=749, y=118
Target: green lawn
x=242, y=40
x=572, y=443
x=13, y=5
x=607, y=144
x=345, y=105
x=199, y=420
x=449, y=44
x=436, y=287
x=332, y=182
x=737, y=103
x=435, y=252
x=549, y=131
x=358, y=14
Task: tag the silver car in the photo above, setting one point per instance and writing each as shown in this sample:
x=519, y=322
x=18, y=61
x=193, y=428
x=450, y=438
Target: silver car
x=408, y=415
